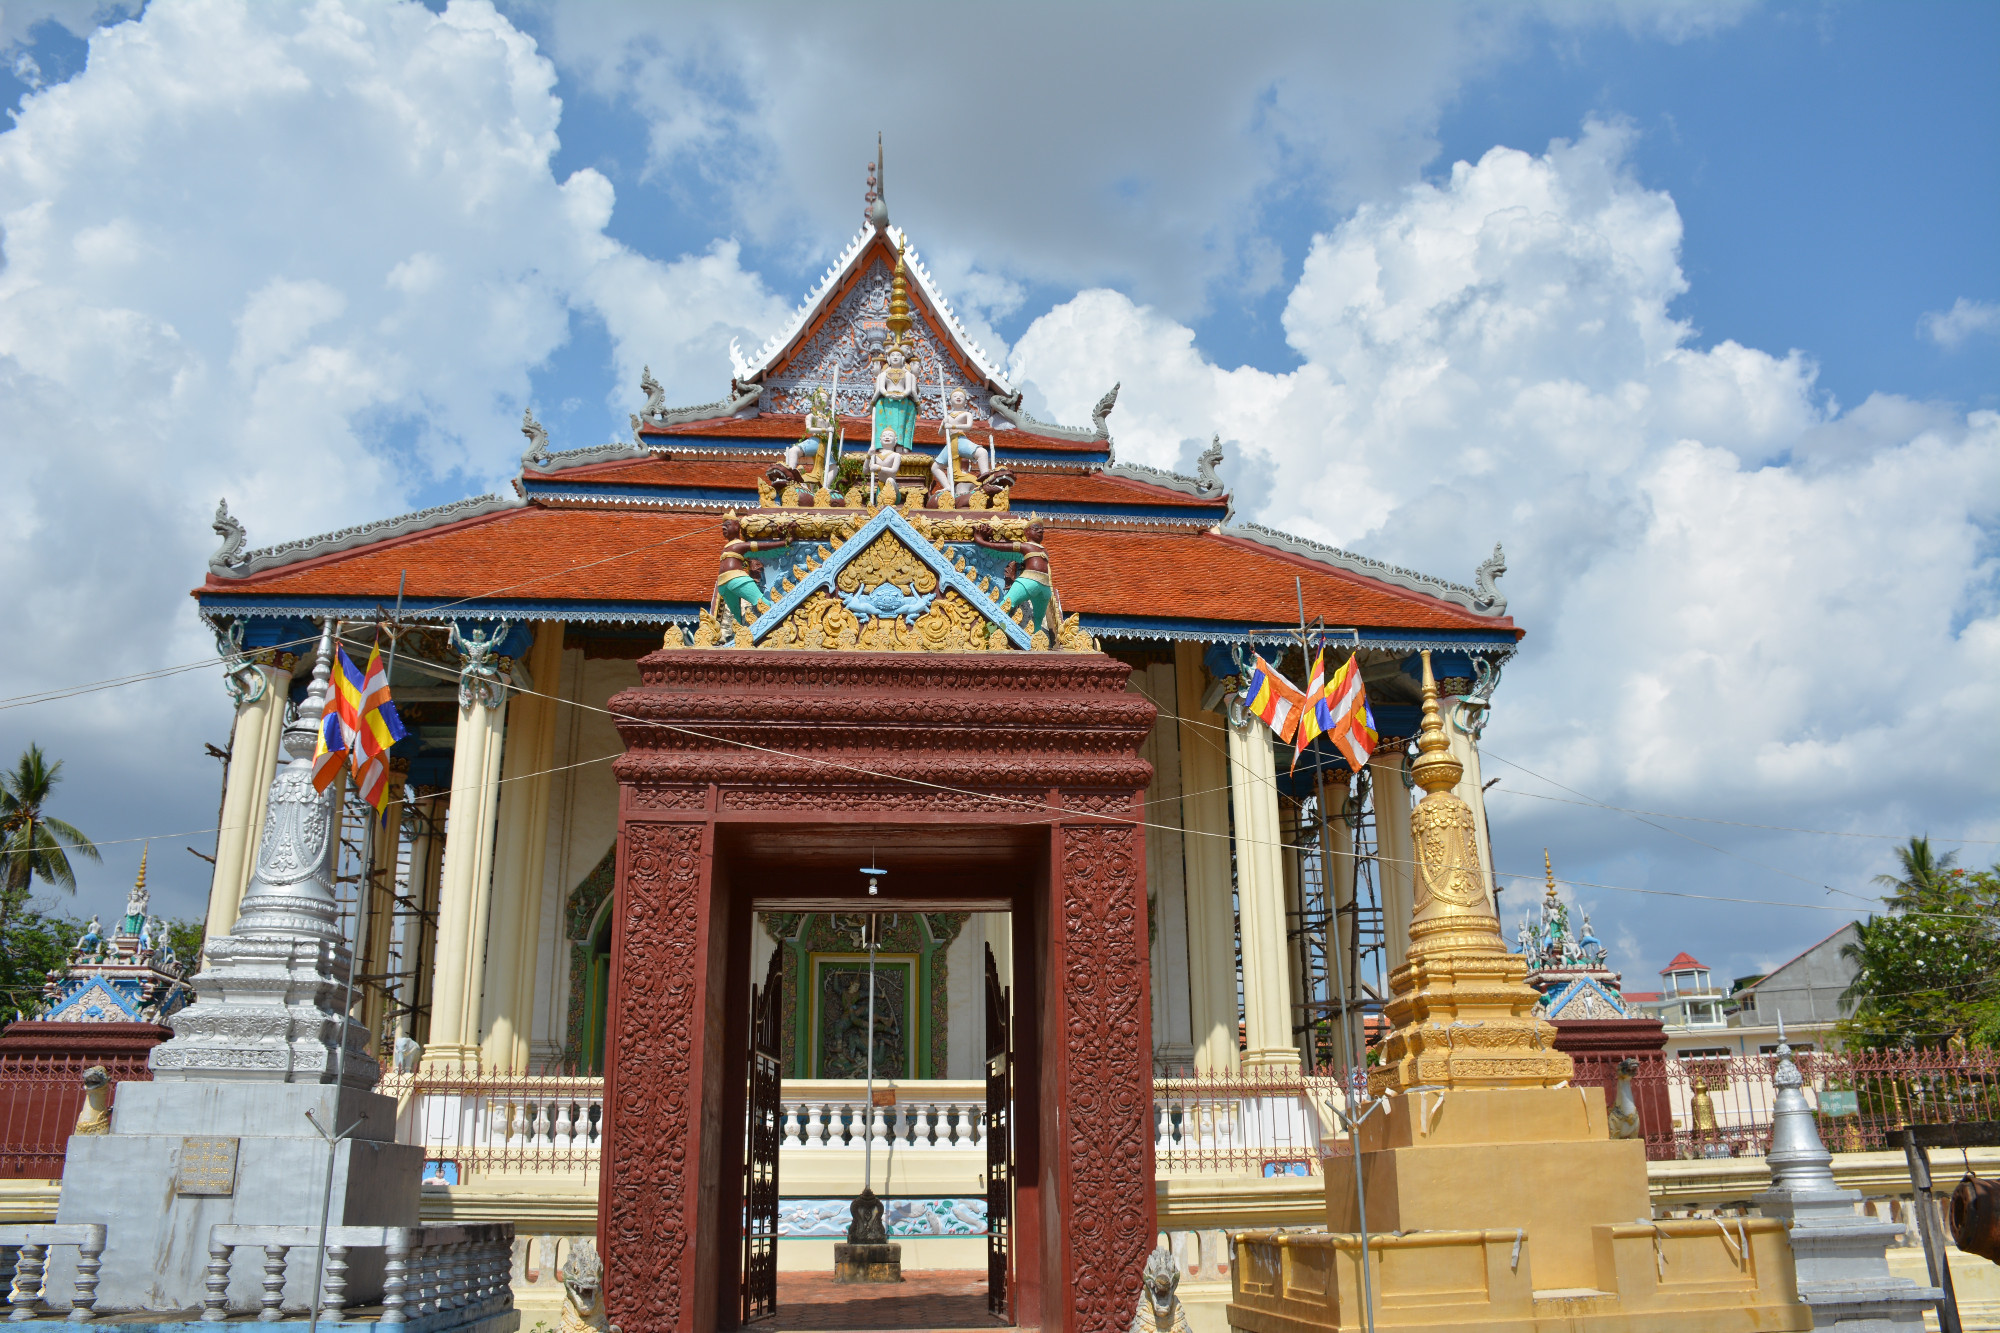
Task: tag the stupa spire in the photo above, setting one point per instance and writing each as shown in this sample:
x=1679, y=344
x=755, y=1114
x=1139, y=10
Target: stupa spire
x=899, y=301
x=1460, y=979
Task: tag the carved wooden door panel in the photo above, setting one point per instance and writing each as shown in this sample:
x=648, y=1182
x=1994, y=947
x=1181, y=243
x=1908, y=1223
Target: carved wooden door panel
x=760, y=1160
x=999, y=1139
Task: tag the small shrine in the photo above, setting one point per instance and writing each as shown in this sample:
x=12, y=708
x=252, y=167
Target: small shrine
x=1568, y=964
x=128, y=976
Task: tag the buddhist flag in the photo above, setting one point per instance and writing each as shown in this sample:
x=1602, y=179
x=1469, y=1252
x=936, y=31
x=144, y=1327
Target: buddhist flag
x=1313, y=722
x=359, y=726
x=1343, y=706
x=1274, y=699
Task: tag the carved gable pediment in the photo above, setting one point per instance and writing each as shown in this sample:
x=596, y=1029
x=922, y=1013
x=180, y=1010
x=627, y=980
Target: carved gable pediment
x=889, y=588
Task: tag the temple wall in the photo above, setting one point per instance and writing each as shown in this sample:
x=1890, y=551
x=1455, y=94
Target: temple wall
x=583, y=825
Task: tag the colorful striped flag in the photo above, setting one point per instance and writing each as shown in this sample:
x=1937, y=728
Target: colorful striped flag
x=1346, y=717
x=1274, y=699
x=1313, y=722
x=360, y=726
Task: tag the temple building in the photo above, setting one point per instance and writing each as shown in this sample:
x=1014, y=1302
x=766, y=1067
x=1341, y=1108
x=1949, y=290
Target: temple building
x=864, y=550
x=485, y=936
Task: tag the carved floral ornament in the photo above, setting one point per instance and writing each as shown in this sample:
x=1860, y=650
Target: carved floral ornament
x=889, y=581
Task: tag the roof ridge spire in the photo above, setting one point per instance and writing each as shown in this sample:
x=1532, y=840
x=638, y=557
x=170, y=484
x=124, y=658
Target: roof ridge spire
x=876, y=214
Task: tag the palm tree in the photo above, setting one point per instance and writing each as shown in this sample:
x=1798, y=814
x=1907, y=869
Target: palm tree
x=1924, y=873
x=34, y=845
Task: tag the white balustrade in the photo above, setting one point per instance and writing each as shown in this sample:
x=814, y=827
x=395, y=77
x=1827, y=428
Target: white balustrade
x=458, y=1272
x=24, y=1252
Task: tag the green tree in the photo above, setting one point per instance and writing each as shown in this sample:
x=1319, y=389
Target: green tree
x=38, y=943
x=1928, y=972
x=34, y=845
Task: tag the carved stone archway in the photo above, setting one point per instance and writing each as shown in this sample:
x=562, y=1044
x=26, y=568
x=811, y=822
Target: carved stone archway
x=1009, y=777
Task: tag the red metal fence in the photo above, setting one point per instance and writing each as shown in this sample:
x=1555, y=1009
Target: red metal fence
x=1691, y=1108
x=40, y=1096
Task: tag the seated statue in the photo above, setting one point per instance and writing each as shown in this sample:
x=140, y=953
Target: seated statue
x=880, y=468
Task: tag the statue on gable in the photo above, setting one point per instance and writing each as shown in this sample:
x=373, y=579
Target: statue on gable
x=895, y=405
x=881, y=465
x=963, y=466
x=736, y=585
x=1032, y=584
x=93, y=936
x=805, y=459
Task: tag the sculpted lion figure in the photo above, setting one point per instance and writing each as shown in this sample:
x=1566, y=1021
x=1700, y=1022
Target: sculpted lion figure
x=583, y=1291
x=1159, y=1307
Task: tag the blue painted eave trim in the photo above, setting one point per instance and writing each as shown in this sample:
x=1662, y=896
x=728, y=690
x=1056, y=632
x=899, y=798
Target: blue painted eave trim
x=444, y=608
x=722, y=495
x=1222, y=631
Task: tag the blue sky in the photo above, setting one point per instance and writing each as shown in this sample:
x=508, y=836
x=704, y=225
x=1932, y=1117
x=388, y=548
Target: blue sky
x=1696, y=307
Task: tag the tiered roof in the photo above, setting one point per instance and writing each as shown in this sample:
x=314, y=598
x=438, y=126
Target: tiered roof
x=629, y=533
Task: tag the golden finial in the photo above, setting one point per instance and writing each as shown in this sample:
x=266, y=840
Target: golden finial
x=141, y=882
x=1435, y=768
x=899, y=298
x=1548, y=868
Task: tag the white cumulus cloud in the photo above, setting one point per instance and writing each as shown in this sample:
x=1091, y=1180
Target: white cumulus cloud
x=1736, y=599
x=305, y=256
x=1966, y=319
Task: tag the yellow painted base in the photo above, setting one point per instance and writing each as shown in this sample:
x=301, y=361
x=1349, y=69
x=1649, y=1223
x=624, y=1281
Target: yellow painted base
x=1510, y=1209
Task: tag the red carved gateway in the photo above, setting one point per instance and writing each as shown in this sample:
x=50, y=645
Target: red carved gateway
x=1008, y=779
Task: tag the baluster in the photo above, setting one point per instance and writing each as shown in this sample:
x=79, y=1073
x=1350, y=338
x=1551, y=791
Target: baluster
x=927, y=1125
x=788, y=1124
x=517, y=1126
x=880, y=1131
x=1164, y=1133
x=595, y=1112
x=89, y=1259
x=10, y=1263
x=273, y=1299
x=544, y=1130
x=215, y=1305
x=426, y=1269
x=333, y=1291
x=565, y=1126
x=815, y=1126
x=461, y=1275
x=26, y=1297
x=973, y=1127
x=395, y=1276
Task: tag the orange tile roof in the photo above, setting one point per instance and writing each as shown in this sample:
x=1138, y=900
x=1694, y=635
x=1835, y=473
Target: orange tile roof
x=736, y=473
x=533, y=553
x=1201, y=576
x=1031, y=488
x=601, y=554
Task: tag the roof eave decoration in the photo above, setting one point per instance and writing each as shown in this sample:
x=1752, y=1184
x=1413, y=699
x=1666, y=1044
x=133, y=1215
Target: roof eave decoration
x=231, y=561
x=1206, y=486
x=1009, y=406
x=1485, y=599
x=656, y=415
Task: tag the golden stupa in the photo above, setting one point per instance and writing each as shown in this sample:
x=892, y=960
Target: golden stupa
x=1495, y=1196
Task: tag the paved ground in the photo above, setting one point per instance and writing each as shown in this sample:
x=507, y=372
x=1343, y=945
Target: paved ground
x=932, y=1299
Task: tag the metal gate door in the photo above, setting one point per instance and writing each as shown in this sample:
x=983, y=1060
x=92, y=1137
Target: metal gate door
x=760, y=1158
x=999, y=1138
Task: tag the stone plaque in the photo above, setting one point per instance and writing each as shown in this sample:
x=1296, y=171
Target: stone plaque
x=208, y=1166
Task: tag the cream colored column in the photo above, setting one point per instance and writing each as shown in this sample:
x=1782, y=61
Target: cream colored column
x=1395, y=854
x=1471, y=787
x=253, y=762
x=1260, y=900
x=465, y=890
x=519, y=858
x=1166, y=875
x=1211, y=920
